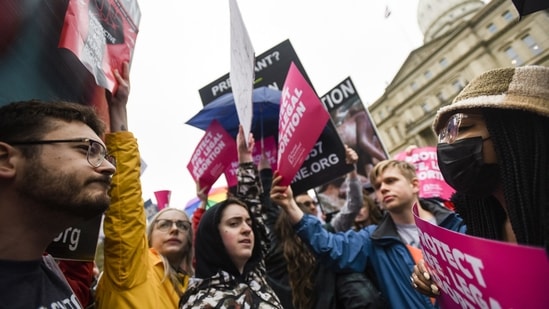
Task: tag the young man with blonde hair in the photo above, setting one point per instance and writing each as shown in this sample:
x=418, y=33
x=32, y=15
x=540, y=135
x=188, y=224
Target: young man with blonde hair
x=389, y=248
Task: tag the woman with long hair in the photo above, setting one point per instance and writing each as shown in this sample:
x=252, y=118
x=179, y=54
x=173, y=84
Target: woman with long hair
x=493, y=149
x=140, y=269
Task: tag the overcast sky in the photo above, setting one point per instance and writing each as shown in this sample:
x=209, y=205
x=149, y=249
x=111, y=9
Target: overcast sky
x=184, y=45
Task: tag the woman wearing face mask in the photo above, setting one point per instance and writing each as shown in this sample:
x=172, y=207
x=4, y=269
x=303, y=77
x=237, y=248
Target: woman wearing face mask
x=493, y=149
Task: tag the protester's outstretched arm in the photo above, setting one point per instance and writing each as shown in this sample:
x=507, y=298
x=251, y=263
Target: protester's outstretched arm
x=126, y=248
x=202, y=195
x=284, y=197
x=270, y=211
x=345, y=218
x=244, y=149
x=117, y=102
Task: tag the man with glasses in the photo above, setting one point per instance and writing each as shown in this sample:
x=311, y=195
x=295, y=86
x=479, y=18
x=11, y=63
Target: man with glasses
x=306, y=203
x=54, y=173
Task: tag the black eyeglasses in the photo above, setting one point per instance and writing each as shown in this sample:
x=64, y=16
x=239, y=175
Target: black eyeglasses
x=96, y=151
x=165, y=225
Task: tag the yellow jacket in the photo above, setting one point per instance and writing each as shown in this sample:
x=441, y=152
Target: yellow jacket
x=133, y=275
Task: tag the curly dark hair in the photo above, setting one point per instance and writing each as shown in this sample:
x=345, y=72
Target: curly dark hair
x=301, y=263
x=522, y=150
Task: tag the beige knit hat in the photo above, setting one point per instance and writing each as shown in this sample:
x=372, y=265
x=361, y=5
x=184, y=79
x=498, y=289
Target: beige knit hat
x=522, y=88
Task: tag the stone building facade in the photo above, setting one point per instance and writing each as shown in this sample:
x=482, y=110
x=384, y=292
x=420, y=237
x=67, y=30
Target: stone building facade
x=461, y=40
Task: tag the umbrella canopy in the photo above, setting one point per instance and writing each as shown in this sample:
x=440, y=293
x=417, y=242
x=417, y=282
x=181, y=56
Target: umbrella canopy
x=525, y=7
x=215, y=196
x=266, y=108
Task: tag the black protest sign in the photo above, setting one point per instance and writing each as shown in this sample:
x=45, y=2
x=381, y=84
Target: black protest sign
x=271, y=68
x=355, y=125
x=77, y=242
x=357, y=130
x=327, y=159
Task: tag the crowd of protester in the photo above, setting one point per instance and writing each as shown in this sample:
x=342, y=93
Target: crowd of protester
x=262, y=247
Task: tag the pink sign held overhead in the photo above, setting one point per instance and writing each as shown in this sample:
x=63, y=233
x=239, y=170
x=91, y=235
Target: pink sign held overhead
x=301, y=121
x=162, y=199
x=269, y=148
x=474, y=272
x=212, y=155
x=431, y=181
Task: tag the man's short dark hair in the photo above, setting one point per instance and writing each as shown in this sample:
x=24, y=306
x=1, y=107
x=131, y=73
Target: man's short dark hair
x=30, y=120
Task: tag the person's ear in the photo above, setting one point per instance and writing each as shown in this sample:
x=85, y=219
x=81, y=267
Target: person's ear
x=415, y=185
x=7, y=166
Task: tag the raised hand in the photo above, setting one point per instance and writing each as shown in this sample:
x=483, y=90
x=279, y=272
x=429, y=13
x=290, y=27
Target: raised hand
x=117, y=102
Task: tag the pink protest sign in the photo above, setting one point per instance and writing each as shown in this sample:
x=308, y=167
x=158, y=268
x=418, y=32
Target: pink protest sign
x=431, y=182
x=102, y=35
x=162, y=198
x=474, y=272
x=212, y=155
x=269, y=148
x=301, y=121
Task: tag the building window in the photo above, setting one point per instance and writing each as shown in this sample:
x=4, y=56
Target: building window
x=458, y=85
x=414, y=86
x=443, y=62
x=508, y=16
x=425, y=107
x=492, y=28
x=513, y=56
x=428, y=74
x=440, y=97
x=529, y=41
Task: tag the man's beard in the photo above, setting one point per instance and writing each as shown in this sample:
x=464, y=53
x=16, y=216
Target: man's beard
x=62, y=192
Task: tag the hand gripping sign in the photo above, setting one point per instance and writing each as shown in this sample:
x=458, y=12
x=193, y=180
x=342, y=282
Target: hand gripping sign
x=302, y=119
x=212, y=155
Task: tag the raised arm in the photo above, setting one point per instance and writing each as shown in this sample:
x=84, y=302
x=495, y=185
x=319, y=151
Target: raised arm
x=345, y=218
x=126, y=246
x=249, y=187
x=342, y=251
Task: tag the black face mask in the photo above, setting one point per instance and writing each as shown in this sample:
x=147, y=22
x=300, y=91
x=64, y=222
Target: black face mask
x=463, y=167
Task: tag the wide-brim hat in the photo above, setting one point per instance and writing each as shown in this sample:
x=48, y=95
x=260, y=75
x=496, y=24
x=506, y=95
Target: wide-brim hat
x=522, y=88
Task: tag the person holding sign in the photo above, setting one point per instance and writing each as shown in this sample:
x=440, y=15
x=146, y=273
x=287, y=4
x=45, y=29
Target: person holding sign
x=391, y=247
x=493, y=149
x=230, y=246
x=142, y=269
x=55, y=172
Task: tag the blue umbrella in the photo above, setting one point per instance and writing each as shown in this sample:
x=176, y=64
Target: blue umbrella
x=266, y=108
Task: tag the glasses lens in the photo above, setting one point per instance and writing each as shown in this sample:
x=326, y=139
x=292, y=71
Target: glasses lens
x=183, y=225
x=165, y=225
x=450, y=132
x=111, y=159
x=96, y=153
